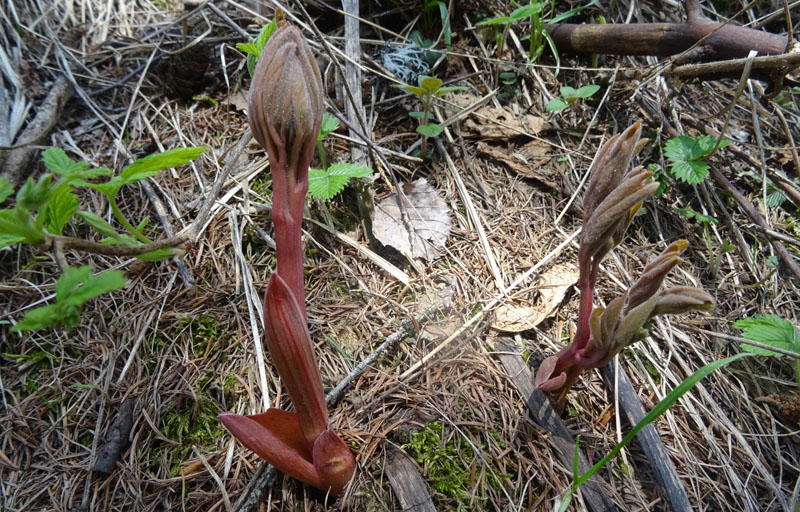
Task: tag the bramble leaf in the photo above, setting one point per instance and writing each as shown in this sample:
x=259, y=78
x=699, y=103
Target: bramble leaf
x=325, y=185
x=152, y=164
x=770, y=330
x=60, y=209
x=73, y=289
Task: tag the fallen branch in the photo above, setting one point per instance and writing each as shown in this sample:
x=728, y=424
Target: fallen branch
x=697, y=40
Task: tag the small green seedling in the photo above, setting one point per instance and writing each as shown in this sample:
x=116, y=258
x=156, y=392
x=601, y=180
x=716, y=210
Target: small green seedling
x=537, y=13
x=73, y=289
x=253, y=48
x=428, y=90
x=43, y=209
x=330, y=180
x=687, y=156
x=569, y=96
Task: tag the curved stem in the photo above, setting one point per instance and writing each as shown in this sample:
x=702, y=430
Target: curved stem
x=112, y=201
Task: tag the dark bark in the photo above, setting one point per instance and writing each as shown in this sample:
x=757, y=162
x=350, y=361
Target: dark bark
x=715, y=41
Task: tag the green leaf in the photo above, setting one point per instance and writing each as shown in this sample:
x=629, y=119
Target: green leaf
x=73, y=289
x=161, y=254
x=770, y=330
x=32, y=196
x=429, y=84
x=682, y=149
x=556, y=104
x=6, y=240
x=60, y=209
x=444, y=90
x=706, y=144
x=152, y=164
x=329, y=125
x=255, y=48
x=429, y=130
x=420, y=115
x=325, y=185
x=527, y=11
x=16, y=225
x=567, y=92
x=502, y=20
x=587, y=91
x=693, y=171
x=5, y=189
x=100, y=225
x=691, y=214
x=417, y=91
x=57, y=161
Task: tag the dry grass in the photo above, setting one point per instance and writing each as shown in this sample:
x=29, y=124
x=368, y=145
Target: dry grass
x=190, y=344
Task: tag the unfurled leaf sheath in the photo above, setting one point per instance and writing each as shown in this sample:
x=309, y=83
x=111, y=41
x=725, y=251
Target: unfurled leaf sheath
x=290, y=345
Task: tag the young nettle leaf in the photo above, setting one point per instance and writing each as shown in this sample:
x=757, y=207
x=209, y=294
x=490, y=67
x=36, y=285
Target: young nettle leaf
x=325, y=185
x=429, y=130
x=152, y=164
x=769, y=330
x=73, y=289
x=60, y=209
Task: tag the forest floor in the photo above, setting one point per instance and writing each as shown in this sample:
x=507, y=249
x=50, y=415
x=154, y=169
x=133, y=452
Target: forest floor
x=178, y=343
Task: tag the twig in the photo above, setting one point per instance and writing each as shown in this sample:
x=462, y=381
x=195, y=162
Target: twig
x=68, y=242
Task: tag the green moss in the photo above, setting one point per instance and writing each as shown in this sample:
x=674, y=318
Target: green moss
x=196, y=425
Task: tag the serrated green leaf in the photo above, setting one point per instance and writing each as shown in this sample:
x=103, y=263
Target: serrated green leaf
x=587, y=91
x=682, y=149
x=325, y=185
x=257, y=46
x=249, y=48
x=706, y=144
x=57, y=161
x=769, y=330
x=556, y=104
x=429, y=130
x=6, y=240
x=329, y=125
x=693, y=171
x=161, y=254
x=100, y=225
x=5, y=190
x=152, y=164
x=60, y=209
x=32, y=196
x=18, y=224
x=73, y=289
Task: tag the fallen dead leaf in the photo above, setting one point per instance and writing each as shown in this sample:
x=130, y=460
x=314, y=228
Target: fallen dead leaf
x=237, y=100
x=501, y=123
x=553, y=286
x=421, y=228
x=529, y=161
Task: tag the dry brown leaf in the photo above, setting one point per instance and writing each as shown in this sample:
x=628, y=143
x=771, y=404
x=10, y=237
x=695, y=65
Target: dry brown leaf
x=529, y=161
x=501, y=123
x=421, y=228
x=553, y=286
x=237, y=100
